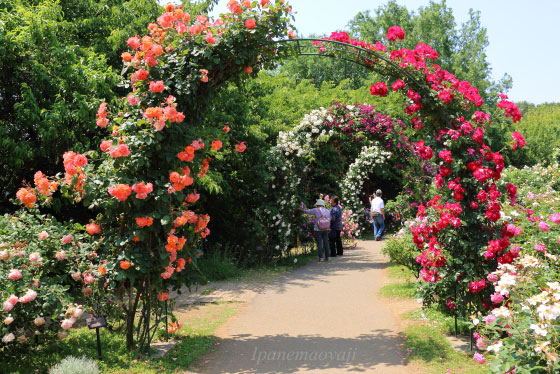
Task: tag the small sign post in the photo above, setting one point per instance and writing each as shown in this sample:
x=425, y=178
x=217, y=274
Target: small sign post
x=96, y=323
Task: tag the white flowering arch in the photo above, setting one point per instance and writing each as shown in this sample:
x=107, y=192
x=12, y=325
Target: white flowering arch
x=371, y=158
x=374, y=140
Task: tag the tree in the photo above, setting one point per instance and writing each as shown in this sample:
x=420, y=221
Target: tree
x=461, y=51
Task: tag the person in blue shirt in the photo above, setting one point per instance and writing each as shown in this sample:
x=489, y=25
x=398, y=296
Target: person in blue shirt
x=335, y=240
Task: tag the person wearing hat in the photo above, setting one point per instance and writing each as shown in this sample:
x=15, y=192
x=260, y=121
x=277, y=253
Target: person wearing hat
x=322, y=218
x=377, y=214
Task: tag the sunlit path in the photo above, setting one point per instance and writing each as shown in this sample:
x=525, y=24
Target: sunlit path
x=322, y=318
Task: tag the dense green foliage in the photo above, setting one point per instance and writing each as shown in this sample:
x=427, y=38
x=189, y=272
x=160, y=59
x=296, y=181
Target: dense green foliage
x=58, y=61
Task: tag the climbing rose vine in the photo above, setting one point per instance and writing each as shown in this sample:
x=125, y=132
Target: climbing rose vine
x=143, y=181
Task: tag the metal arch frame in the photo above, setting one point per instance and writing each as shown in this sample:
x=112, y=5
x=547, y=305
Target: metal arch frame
x=360, y=54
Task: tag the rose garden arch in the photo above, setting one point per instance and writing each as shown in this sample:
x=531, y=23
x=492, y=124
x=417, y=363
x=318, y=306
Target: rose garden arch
x=144, y=178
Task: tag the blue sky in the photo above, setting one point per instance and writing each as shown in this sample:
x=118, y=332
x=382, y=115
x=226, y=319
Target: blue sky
x=523, y=36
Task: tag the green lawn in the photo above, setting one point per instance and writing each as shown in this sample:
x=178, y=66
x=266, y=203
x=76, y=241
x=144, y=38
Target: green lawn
x=424, y=340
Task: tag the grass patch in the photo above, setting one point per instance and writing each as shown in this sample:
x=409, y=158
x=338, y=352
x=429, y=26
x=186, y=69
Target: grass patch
x=427, y=346
x=425, y=341
x=196, y=338
x=400, y=290
x=403, y=285
x=435, y=317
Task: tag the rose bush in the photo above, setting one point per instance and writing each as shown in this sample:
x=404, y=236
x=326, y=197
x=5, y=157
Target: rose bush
x=49, y=272
x=144, y=179
x=520, y=329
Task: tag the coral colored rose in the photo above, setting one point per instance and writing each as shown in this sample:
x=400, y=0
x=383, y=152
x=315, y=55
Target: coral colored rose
x=126, y=56
x=264, y=2
x=133, y=42
x=26, y=196
x=76, y=275
x=226, y=129
x=248, y=69
x=120, y=150
x=105, y=145
x=216, y=145
x=15, y=274
x=8, y=320
x=163, y=296
x=193, y=197
x=142, y=189
x=140, y=74
x=67, y=239
x=210, y=38
x=39, y=321
x=101, y=270
x=240, y=147
x=60, y=256
x=93, y=228
x=87, y=291
x=144, y=221
x=250, y=23
x=121, y=191
x=125, y=264
x=157, y=86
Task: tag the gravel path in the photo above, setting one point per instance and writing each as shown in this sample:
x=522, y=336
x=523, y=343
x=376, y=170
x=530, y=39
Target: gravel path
x=321, y=318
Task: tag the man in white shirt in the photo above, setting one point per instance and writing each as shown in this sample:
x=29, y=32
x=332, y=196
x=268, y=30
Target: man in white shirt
x=377, y=214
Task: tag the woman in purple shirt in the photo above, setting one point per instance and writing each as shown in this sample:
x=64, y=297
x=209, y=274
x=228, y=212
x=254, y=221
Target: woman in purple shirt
x=321, y=236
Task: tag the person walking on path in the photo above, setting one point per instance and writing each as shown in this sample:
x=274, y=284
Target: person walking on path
x=321, y=228
x=377, y=214
x=335, y=242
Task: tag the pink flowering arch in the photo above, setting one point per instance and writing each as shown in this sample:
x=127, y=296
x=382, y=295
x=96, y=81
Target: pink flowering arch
x=457, y=232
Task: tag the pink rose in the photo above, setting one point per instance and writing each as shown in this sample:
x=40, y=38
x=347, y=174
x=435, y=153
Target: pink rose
x=29, y=296
x=540, y=247
x=34, y=257
x=67, y=239
x=7, y=306
x=87, y=291
x=490, y=318
x=39, y=321
x=555, y=217
x=4, y=255
x=496, y=298
x=478, y=357
x=60, y=256
x=67, y=324
x=8, y=338
x=8, y=320
x=61, y=335
x=13, y=299
x=43, y=235
x=15, y=274
x=492, y=278
x=543, y=226
x=76, y=275
x=77, y=313
x=89, y=279
x=22, y=339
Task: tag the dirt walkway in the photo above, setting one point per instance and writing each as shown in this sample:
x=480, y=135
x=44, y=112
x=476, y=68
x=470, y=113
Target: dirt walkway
x=322, y=318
